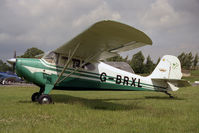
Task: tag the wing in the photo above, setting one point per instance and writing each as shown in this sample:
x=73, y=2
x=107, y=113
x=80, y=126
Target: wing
x=105, y=39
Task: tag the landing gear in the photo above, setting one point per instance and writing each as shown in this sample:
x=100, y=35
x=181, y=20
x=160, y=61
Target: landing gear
x=42, y=96
x=44, y=99
x=169, y=94
x=35, y=96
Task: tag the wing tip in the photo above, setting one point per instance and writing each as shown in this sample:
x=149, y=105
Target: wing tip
x=146, y=38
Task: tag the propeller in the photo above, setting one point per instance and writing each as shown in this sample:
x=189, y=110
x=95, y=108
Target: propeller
x=12, y=61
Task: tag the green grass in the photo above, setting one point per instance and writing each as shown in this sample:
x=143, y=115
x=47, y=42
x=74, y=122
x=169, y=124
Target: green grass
x=99, y=112
x=194, y=76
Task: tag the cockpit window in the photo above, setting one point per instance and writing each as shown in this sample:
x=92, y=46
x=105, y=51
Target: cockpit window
x=89, y=66
x=51, y=57
x=76, y=63
x=61, y=60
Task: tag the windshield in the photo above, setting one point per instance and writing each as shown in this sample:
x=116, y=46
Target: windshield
x=61, y=60
x=51, y=57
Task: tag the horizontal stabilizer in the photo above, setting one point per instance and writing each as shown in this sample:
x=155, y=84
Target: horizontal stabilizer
x=176, y=82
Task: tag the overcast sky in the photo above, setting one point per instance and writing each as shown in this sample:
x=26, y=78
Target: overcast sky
x=173, y=25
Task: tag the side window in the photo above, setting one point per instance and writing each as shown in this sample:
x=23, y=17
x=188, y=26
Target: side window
x=89, y=66
x=63, y=60
x=51, y=57
x=76, y=63
x=73, y=63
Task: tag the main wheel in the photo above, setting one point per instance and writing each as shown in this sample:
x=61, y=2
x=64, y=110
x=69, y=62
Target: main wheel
x=44, y=99
x=35, y=96
x=171, y=96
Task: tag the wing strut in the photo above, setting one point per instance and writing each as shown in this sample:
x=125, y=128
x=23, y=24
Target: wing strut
x=67, y=63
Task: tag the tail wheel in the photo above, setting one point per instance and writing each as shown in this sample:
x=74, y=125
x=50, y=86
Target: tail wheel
x=35, y=96
x=44, y=99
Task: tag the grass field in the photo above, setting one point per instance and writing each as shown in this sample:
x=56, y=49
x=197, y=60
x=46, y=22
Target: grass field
x=99, y=112
x=194, y=76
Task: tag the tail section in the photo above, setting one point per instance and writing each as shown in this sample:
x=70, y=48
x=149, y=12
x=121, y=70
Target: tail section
x=169, y=67
x=168, y=74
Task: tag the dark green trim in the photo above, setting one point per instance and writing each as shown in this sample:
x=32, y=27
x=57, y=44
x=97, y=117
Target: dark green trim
x=91, y=84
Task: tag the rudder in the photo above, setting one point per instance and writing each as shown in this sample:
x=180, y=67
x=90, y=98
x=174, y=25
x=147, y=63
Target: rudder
x=169, y=67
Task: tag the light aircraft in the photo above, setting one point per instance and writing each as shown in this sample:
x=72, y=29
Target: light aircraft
x=78, y=64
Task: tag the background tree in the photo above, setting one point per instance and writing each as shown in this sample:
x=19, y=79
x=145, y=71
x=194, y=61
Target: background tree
x=137, y=62
x=195, y=61
x=149, y=66
x=4, y=67
x=116, y=59
x=31, y=53
x=126, y=59
x=186, y=60
x=182, y=57
x=157, y=61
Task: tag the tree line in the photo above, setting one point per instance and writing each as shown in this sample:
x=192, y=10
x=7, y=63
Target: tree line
x=137, y=62
x=139, y=65
x=4, y=67
x=188, y=61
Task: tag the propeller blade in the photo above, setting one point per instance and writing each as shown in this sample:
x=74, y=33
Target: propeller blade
x=12, y=61
x=15, y=55
x=14, y=64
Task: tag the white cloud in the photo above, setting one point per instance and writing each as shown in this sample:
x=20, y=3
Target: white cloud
x=47, y=24
x=101, y=12
x=161, y=15
x=4, y=37
x=50, y=21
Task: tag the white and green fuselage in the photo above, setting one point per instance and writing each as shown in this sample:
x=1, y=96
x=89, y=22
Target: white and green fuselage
x=101, y=77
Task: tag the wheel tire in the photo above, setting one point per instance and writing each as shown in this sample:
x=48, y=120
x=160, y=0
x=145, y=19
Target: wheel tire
x=171, y=96
x=44, y=99
x=35, y=96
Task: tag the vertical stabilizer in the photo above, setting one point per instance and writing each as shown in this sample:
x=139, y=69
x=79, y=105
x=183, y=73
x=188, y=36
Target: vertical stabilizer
x=169, y=67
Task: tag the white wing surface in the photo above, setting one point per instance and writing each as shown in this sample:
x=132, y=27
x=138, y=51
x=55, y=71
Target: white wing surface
x=105, y=39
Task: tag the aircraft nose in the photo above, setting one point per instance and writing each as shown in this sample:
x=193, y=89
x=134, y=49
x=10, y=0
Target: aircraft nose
x=11, y=61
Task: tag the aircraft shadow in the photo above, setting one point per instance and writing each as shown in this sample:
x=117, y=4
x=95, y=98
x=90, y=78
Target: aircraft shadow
x=98, y=104
x=25, y=101
x=104, y=104
x=165, y=98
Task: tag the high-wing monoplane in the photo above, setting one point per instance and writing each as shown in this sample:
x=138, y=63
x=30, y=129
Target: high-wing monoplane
x=79, y=64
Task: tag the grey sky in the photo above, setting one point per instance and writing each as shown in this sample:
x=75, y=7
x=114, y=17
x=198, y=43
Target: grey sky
x=47, y=24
